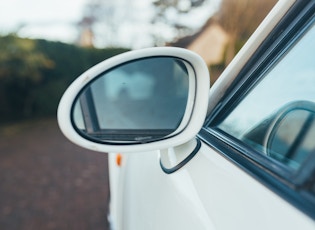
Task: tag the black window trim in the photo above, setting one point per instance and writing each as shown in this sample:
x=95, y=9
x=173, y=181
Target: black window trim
x=283, y=183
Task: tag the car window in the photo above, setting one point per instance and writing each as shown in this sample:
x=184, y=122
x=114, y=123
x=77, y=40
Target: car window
x=276, y=117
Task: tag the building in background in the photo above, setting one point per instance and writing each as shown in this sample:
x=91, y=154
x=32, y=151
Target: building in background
x=210, y=43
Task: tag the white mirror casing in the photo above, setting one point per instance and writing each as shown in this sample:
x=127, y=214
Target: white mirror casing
x=193, y=119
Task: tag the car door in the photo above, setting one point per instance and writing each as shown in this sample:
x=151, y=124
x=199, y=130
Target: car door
x=255, y=165
x=264, y=126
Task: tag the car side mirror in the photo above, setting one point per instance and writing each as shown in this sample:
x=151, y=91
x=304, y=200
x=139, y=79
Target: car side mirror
x=291, y=138
x=141, y=100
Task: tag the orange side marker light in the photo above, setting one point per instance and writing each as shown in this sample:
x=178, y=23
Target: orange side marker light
x=118, y=159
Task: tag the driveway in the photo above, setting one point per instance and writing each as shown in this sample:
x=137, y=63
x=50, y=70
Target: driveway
x=46, y=182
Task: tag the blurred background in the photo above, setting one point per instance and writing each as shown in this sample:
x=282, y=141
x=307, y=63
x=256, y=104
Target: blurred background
x=45, y=181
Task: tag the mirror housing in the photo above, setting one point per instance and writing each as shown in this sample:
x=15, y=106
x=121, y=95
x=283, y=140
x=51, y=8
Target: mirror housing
x=193, y=117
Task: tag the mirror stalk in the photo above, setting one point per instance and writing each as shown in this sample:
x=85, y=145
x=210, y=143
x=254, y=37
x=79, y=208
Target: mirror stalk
x=172, y=159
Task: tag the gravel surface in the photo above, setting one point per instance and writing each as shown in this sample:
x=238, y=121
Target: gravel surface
x=46, y=182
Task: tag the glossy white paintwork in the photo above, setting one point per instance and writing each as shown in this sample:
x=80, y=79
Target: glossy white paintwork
x=171, y=157
x=195, y=112
x=208, y=193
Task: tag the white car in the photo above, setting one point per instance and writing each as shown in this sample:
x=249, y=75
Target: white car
x=182, y=155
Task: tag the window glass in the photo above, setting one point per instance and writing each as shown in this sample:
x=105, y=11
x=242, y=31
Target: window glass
x=277, y=116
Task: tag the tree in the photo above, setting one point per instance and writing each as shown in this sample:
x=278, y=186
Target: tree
x=101, y=20
x=35, y=73
x=240, y=18
x=168, y=14
x=21, y=68
x=118, y=22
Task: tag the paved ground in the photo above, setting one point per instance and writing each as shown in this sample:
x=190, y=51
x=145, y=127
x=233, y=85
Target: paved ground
x=46, y=182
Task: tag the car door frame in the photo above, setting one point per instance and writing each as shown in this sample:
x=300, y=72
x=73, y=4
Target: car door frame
x=258, y=166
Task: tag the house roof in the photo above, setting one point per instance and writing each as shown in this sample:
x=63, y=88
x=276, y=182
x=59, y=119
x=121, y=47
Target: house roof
x=209, y=42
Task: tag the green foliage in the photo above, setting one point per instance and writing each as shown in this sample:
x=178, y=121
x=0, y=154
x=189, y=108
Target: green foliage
x=35, y=73
x=20, y=60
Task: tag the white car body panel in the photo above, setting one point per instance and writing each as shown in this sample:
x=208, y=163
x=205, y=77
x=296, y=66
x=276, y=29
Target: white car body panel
x=209, y=192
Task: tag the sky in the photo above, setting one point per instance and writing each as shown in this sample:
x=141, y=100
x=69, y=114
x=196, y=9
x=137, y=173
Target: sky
x=52, y=19
x=57, y=20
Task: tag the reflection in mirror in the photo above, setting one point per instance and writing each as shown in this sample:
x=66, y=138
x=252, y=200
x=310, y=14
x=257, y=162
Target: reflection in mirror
x=138, y=101
x=292, y=138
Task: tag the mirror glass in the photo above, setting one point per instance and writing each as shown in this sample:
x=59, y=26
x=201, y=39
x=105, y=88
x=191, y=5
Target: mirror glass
x=138, y=101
